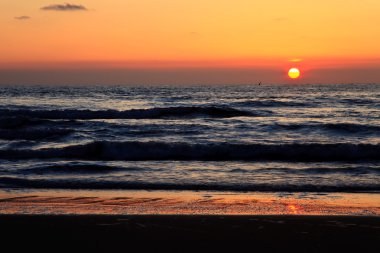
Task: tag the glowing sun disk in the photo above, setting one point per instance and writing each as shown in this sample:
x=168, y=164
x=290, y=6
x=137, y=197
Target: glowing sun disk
x=294, y=73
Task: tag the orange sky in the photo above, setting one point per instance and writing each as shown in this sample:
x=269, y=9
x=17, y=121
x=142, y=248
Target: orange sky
x=188, y=41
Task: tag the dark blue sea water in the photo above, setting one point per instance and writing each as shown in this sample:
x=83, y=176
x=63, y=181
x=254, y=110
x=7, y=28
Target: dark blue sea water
x=306, y=138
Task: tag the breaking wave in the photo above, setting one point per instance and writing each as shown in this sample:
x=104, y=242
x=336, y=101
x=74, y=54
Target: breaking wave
x=153, y=113
x=77, y=169
x=34, y=134
x=140, y=151
x=14, y=182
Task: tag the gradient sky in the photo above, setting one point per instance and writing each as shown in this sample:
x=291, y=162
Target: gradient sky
x=188, y=41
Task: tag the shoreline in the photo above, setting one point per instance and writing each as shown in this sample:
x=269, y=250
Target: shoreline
x=122, y=202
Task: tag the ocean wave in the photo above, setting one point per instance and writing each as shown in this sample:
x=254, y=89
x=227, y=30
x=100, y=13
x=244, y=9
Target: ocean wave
x=270, y=103
x=140, y=151
x=34, y=134
x=153, y=113
x=24, y=121
x=322, y=170
x=358, y=101
x=336, y=127
x=354, y=128
x=18, y=122
x=15, y=182
x=77, y=169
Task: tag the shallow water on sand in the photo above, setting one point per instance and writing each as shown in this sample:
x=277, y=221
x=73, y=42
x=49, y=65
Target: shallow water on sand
x=126, y=202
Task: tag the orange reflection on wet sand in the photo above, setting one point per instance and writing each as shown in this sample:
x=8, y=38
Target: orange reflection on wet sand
x=187, y=203
x=294, y=209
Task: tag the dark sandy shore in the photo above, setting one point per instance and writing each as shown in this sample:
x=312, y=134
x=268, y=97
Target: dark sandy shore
x=174, y=233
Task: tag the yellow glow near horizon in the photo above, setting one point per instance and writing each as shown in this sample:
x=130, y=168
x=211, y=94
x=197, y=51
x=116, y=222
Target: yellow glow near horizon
x=294, y=73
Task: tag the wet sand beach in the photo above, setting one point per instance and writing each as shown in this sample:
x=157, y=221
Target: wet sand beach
x=191, y=233
x=121, y=202
x=148, y=221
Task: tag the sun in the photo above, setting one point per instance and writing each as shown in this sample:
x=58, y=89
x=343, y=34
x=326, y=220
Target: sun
x=294, y=73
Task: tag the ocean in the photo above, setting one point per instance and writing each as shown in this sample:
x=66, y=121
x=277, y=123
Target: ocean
x=241, y=138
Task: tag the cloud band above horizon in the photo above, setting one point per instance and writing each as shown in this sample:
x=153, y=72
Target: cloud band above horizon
x=22, y=17
x=64, y=7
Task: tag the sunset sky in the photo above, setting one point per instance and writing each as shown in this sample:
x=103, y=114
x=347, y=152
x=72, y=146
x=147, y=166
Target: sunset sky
x=188, y=41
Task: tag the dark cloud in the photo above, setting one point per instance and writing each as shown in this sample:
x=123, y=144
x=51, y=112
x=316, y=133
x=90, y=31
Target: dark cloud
x=22, y=17
x=64, y=7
